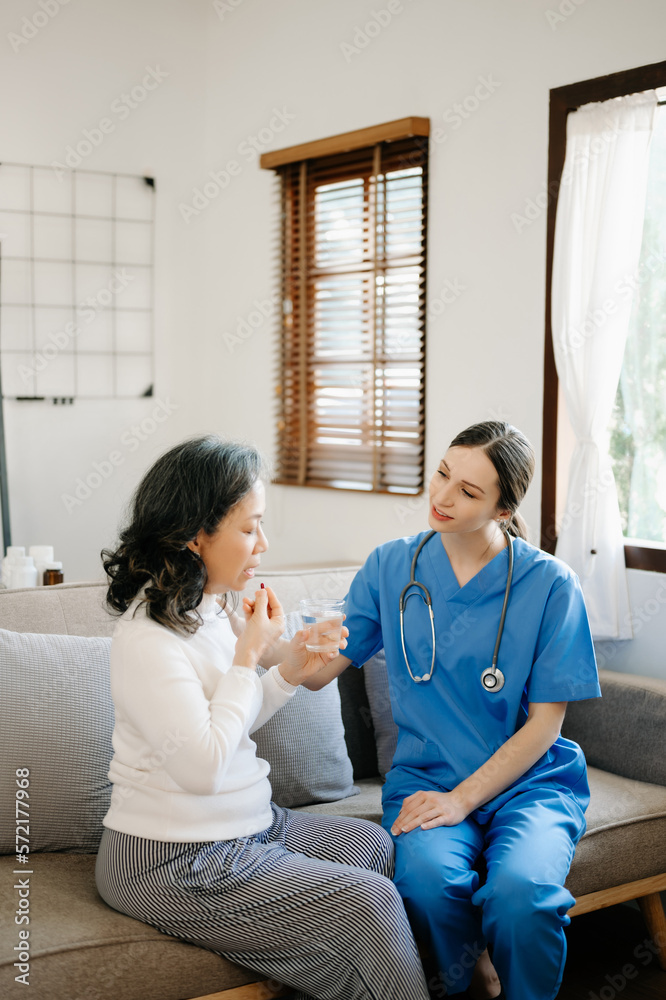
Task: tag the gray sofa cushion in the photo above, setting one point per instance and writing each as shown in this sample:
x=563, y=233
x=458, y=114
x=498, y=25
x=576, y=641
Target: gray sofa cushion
x=66, y=609
x=626, y=834
x=81, y=949
x=366, y=805
x=608, y=732
x=56, y=718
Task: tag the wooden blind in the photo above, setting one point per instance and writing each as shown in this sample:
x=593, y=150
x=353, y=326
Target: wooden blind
x=352, y=355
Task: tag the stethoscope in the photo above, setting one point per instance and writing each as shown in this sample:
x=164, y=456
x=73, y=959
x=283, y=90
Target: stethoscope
x=492, y=678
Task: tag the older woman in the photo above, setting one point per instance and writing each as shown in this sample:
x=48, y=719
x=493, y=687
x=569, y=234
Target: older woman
x=193, y=844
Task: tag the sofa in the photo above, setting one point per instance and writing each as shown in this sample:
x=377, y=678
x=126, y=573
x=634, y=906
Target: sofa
x=69, y=945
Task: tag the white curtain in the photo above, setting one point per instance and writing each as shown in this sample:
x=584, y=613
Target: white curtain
x=598, y=234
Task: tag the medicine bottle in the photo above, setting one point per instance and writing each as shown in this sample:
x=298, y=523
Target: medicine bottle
x=42, y=554
x=23, y=572
x=13, y=552
x=53, y=574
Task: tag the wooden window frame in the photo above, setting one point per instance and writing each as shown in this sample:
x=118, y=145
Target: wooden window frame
x=373, y=139
x=562, y=101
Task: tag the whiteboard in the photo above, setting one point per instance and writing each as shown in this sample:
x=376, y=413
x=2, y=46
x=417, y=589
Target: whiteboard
x=76, y=283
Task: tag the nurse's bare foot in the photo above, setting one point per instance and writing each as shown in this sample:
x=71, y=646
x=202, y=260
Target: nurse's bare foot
x=485, y=981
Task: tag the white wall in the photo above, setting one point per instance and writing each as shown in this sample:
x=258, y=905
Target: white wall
x=61, y=81
x=644, y=654
x=229, y=69
x=485, y=351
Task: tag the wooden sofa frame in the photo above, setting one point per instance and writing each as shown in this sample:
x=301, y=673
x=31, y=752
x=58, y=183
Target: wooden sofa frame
x=646, y=892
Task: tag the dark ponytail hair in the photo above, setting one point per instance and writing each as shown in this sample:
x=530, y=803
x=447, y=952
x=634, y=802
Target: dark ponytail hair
x=513, y=457
x=191, y=487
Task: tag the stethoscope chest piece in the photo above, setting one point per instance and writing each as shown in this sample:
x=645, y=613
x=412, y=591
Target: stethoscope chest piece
x=492, y=680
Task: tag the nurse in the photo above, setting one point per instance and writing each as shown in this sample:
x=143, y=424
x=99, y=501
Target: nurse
x=485, y=800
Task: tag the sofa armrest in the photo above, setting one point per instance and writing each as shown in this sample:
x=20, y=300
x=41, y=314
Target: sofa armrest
x=624, y=731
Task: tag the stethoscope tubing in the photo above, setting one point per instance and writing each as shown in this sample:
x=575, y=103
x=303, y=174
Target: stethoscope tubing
x=492, y=678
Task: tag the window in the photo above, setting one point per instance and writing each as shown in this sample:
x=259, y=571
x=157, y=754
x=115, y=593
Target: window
x=637, y=434
x=351, y=388
x=638, y=426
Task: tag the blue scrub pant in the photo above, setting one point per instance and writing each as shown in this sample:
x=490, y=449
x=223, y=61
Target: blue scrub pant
x=520, y=909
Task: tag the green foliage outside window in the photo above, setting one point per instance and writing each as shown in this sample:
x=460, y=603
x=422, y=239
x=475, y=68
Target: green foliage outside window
x=638, y=424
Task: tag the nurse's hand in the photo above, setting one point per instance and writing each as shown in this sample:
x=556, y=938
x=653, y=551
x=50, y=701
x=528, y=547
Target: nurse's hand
x=428, y=810
x=299, y=663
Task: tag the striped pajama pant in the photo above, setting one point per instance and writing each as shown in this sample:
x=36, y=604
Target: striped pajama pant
x=307, y=902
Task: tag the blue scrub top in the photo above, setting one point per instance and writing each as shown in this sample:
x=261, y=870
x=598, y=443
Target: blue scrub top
x=449, y=726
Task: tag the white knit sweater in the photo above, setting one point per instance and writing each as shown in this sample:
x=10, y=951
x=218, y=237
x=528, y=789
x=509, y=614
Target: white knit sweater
x=184, y=767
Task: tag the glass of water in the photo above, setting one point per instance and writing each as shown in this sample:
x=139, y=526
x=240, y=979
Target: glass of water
x=324, y=619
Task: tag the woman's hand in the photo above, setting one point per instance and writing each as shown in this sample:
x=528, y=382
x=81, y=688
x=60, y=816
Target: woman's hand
x=272, y=654
x=264, y=624
x=300, y=663
x=237, y=623
x=428, y=810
